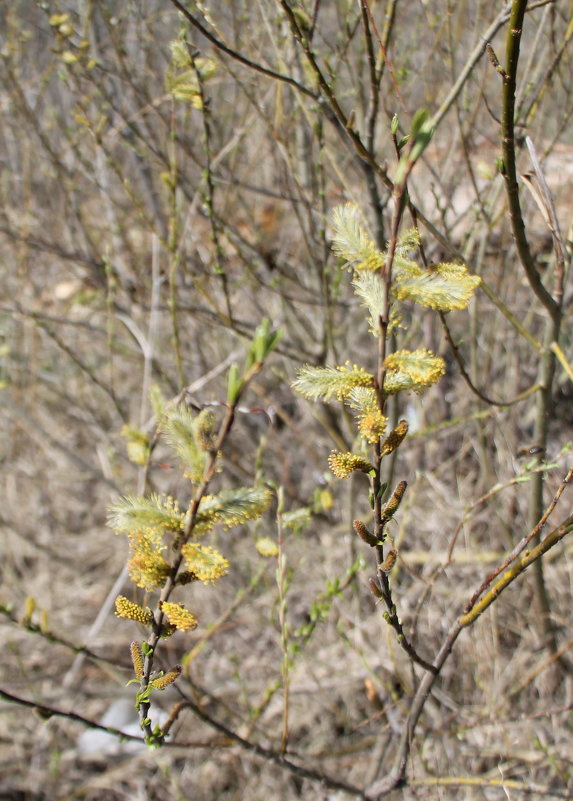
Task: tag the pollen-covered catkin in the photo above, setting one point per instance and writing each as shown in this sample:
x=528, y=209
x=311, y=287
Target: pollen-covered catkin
x=394, y=439
x=137, y=659
x=164, y=681
x=179, y=616
x=343, y=464
x=132, y=611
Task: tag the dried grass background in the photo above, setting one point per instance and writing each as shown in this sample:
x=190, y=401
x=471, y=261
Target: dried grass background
x=90, y=217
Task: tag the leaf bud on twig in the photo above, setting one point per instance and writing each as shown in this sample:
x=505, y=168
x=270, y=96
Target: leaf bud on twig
x=394, y=502
x=388, y=563
x=394, y=439
x=364, y=534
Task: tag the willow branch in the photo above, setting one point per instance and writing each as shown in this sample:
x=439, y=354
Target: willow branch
x=198, y=25
x=273, y=756
x=509, y=159
x=47, y=711
x=517, y=569
x=523, y=542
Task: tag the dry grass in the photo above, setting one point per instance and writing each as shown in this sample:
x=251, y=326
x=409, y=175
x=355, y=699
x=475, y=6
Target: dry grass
x=82, y=218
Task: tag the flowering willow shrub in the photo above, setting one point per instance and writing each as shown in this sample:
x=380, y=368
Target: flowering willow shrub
x=167, y=548
x=383, y=281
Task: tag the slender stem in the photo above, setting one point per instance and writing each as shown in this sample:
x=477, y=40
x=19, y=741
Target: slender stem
x=198, y=25
x=209, y=198
x=474, y=57
x=517, y=569
x=170, y=584
x=371, y=118
x=396, y=776
x=509, y=159
x=274, y=756
x=547, y=361
x=521, y=544
x=465, y=374
x=51, y=711
x=282, y=584
x=173, y=250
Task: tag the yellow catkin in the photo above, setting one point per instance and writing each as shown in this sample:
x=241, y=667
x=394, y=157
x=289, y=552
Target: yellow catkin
x=137, y=659
x=204, y=428
x=179, y=616
x=395, y=438
x=147, y=568
x=343, y=464
x=132, y=611
x=372, y=425
x=205, y=562
x=164, y=681
x=267, y=547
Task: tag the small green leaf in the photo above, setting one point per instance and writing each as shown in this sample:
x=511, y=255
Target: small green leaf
x=419, y=121
x=234, y=384
x=421, y=143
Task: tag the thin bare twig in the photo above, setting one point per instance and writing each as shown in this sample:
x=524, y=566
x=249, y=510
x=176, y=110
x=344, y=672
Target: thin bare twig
x=277, y=76
x=273, y=756
x=509, y=158
x=522, y=543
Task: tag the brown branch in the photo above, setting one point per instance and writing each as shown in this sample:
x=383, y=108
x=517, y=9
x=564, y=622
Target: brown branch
x=391, y=617
x=47, y=711
x=272, y=756
x=510, y=575
x=396, y=777
x=509, y=158
x=522, y=543
x=465, y=375
x=56, y=639
x=197, y=24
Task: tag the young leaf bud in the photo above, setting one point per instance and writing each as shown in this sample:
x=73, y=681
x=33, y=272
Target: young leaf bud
x=389, y=562
x=395, y=438
x=364, y=534
x=29, y=609
x=234, y=384
x=394, y=502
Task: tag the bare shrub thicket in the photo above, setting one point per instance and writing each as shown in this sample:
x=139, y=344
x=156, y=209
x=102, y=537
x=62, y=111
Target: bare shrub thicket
x=168, y=172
